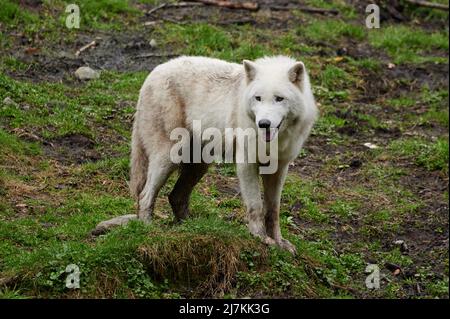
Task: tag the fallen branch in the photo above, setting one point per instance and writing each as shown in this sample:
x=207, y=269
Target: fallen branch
x=252, y=6
x=153, y=10
x=427, y=4
x=174, y=5
x=237, y=22
x=305, y=9
x=156, y=55
x=166, y=19
x=84, y=48
x=184, y=4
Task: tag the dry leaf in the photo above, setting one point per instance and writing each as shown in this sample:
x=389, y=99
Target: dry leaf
x=371, y=145
x=31, y=51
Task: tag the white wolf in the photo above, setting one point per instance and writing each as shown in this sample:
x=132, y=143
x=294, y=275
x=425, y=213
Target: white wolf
x=271, y=94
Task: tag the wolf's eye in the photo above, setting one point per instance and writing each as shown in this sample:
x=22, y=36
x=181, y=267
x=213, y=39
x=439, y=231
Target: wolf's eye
x=279, y=98
x=258, y=98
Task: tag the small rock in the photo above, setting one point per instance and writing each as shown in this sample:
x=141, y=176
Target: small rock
x=370, y=145
x=341, y=51
x=150, y=23
x=86, y=73
x=391, y=66
x=402, y=245
x=153, y=43
x=9, y=101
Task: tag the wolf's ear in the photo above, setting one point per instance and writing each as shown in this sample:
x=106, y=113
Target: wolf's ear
x=296, y=74
x=250, y=69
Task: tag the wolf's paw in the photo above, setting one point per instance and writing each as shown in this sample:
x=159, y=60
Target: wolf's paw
x=146, y=221
x=145, y=216
x=261, y=234
x=286, y=245
x=268, y=241
x=181, y=214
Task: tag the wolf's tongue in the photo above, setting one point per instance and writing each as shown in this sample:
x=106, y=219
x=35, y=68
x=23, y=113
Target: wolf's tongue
x=270, y=133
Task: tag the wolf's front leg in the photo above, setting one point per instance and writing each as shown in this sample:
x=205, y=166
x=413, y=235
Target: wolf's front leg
x=273, y=185
x=249, y=184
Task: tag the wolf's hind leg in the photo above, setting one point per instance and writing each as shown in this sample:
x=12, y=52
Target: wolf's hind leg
x=159, y=169
x=190, y=175
x=139, y=164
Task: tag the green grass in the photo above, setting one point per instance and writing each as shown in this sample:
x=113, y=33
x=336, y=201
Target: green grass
x=408, y=45
x=209, y=40
x=126, y=253
x=364, y=64
x=331, y=30
x=431, y=155
x=308, y=194
x=13, y=14
x=104, y=14
x=69, y=109
x=334, y=78
x=11, y=144
x=345, y=10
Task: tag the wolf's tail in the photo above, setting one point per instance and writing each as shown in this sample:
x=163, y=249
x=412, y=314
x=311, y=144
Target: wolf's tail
x=139, y=164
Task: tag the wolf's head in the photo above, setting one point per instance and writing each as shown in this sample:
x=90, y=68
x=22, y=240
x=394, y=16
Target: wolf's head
x=278, y=93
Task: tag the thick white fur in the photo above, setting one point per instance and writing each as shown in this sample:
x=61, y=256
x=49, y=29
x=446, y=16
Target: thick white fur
x=222, y=95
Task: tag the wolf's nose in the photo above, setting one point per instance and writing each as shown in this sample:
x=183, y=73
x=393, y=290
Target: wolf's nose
x=264, y=123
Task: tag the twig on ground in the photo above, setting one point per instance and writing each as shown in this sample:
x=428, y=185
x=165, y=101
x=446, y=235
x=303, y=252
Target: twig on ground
x=427, y=4
x=184, y=4
x=238, y=22
x=84, y=48
x=252, y=6
x=305, y=9
x=153, y=10
x=174, y=5
x=173, y=20
x=156, y=55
